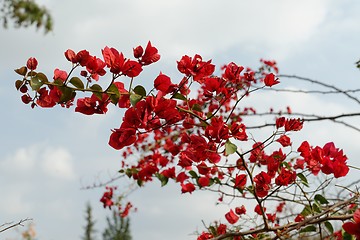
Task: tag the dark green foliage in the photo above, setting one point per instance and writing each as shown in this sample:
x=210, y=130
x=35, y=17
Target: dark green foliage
x=89, y=227
x=25, y=13
x=118, y=228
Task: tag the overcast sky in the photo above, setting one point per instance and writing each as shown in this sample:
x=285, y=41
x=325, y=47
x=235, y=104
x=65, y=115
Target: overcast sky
x=47, y=155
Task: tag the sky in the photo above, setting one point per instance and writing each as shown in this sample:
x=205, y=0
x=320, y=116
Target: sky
x=48, y=155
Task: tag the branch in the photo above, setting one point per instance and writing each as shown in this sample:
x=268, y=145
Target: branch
x=20, y=223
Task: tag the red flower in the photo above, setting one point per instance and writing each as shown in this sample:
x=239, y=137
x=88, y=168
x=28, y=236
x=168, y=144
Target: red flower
x=285, y=177
x=122, y=137
x=113, y=59
x=299, y=218
x=60, y=74
x=132, y=68
x=293, y=124
x=187, y=187
x=195, y=67
x=95, y=67
x=204, y=181
x=71, y=56
x=258, y=209
x=32, y=63
x=162, y=83
x=240, y=210
x=353, y=227
x=240, y=181
x=106, y=199
x=284, y=141
x=231, y=217
x=270, y=80
x=150, y=56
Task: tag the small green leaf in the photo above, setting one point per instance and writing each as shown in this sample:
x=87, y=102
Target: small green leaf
x=67, y=94
x=306, y=211
x=21, y=71
x=114, y=93
x=96, y=87
x=179, y=96
x=329, y=227
x=135, y=98
x=164, y=180
x=140, y=90
x=316, y=208
x=193, y=174
x=347, y=236
x=303, y=179
x=230, y=148
x=310, y=228
x=42, y=77
x=35, y=83
x=77, y=82
x=196, y=107
x=321, y=199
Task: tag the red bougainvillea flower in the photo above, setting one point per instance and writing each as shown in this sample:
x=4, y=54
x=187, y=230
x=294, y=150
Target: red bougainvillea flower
x=106, y=199
x=162, y=83
x=195, y=67
x=187, y=187
x=32, y=63
x=285, y=177
x=353, y=227
x=92, y=105
x=60, y=74
x=240, y=181
x=284, y=141
x=231, y=217
x=205, y=236
x=271, y=64
x=293, y=124
x=270, y=80
x=299, y=218
x=150, y=55
x=240, y=210
x=95, y=66
x=71, y=56
x=257, y=209
x=122, y=137
x=113, y=59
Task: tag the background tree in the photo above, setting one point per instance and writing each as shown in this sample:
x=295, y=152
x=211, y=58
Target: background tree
x=25, y=13
x=118, y=227
x=90, y=223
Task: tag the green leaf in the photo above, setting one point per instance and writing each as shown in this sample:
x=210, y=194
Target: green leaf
x=135, y=98
x=114, y=93
x=329, y=227
x=196, y=107
x=35, y=83
x=316, y=208
x=306, y=211
x=67, y=94
x=96, y=87
x=303, y=179
x=164, y=180
x=77, y=82
x=42, y=77
x=347, y=236
x=321, y=199
x=21, y=71
x=193, y=174
x=230, y=148
x=140, y=90
x=179, y=96
x=310, y=228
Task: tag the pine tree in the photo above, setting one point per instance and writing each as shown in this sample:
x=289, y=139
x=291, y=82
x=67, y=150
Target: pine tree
x=89, y=227
x=118, y=228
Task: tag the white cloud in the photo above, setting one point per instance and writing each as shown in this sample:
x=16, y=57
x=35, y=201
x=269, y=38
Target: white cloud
x=57, y=162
